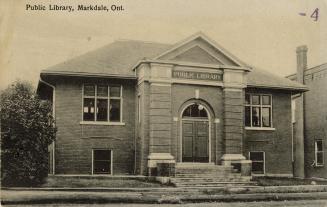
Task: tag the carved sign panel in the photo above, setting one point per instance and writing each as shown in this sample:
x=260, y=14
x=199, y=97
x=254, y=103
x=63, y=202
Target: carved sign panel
x=197, y=75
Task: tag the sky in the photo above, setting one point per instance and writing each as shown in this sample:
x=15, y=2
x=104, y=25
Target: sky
x=262, y=33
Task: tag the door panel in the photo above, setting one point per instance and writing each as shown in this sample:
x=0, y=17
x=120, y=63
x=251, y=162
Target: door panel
x=188, y=133
x=195, y=141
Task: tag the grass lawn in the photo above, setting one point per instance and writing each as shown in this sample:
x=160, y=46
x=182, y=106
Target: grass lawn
x=274, y=181
x=93, y=182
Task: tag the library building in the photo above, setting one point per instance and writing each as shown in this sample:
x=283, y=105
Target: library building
x=145, y=108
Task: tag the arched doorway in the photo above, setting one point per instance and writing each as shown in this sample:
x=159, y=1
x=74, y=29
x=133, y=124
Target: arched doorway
x=195, y=133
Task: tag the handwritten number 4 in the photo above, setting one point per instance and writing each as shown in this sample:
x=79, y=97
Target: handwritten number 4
x=315, y=14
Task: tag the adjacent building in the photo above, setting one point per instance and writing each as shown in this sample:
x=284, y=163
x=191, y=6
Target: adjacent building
x=310, y=118
x=130, y=106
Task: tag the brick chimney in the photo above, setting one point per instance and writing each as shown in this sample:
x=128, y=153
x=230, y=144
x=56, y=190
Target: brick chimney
x=301, y=56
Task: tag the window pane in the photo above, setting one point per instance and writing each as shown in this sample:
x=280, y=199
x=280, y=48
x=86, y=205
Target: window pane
x=247, y=98
x=255, y=100
x=266, y=117
x=247, y=116
x=114, y=91
x=319, y=145
x=258, y=167
x=320, y=158
x=88, y=109
x=194, y=110
x=187, y=112
x=102, y=110
x=256, y=156
x=101, y=155
x=89, y=90
x=202, y=111
x=114, y=110
x=102, y=91
x=256, y=116
x=266, y=100
x=101, y=167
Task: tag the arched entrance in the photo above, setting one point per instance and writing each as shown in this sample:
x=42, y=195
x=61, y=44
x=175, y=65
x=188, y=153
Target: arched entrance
x=195, y=133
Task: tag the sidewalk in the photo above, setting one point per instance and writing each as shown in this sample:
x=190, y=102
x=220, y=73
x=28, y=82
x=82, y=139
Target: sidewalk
x=160, y=195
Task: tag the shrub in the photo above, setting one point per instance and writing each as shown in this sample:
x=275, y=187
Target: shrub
x=27, y=128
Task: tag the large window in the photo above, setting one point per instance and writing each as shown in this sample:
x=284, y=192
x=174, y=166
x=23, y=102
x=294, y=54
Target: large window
x=102, y=161
x=258, y=110
x=102, y=103
x=319, y=153
x=258, y=162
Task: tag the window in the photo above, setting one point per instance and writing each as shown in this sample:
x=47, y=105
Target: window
x=258, y=162
x=258, y=110
x=195, y=111
x=102, y=103
x=102, y=161
x=319, y=153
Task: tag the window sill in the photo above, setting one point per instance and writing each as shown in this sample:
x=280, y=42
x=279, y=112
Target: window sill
x=105, y=123
x=319, y=166
x=260, y=128
x=258, y=175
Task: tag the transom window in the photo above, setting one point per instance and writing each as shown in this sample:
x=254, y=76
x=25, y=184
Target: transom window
x=258, y=110
x=319, y=153
x=102, y=103
x=258, y=162
x=195, y=111
x=102, y=161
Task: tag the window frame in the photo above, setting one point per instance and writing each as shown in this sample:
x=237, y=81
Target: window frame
x=264, y=162
x=108, y=98
x=322, y=152
x=261, y=127
x=111, y=162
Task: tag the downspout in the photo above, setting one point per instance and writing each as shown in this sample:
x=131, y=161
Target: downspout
x=54, y=116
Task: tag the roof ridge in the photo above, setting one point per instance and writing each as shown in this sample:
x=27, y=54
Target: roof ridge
x=141, y=41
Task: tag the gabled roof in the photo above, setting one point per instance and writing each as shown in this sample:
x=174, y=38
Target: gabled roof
x=119, y=58
x=116, y=59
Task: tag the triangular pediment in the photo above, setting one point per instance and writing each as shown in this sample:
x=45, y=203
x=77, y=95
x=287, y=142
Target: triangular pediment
x=197, y=55
x=199, y=49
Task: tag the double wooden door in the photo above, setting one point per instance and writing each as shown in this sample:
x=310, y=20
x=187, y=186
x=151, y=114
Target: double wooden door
x=195, y=144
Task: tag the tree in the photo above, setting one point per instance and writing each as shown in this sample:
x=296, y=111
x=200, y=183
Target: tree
x=27, y=128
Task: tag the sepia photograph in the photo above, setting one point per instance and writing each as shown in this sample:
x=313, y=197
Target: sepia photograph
x=163, y=103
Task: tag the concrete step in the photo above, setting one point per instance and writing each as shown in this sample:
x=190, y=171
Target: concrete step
x=219, y=175
x=203, y=171
x=211, y=179
x=216, y=185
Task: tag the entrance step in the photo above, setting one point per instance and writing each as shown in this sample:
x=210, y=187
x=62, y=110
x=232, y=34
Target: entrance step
x=208, y=175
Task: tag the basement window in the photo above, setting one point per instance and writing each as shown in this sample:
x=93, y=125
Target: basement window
x=258, y=111
x=258, y=162
x=319, y=153
x=101, y=161
x=102, y=103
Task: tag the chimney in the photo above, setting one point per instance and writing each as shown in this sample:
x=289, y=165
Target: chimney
x=301, y=56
